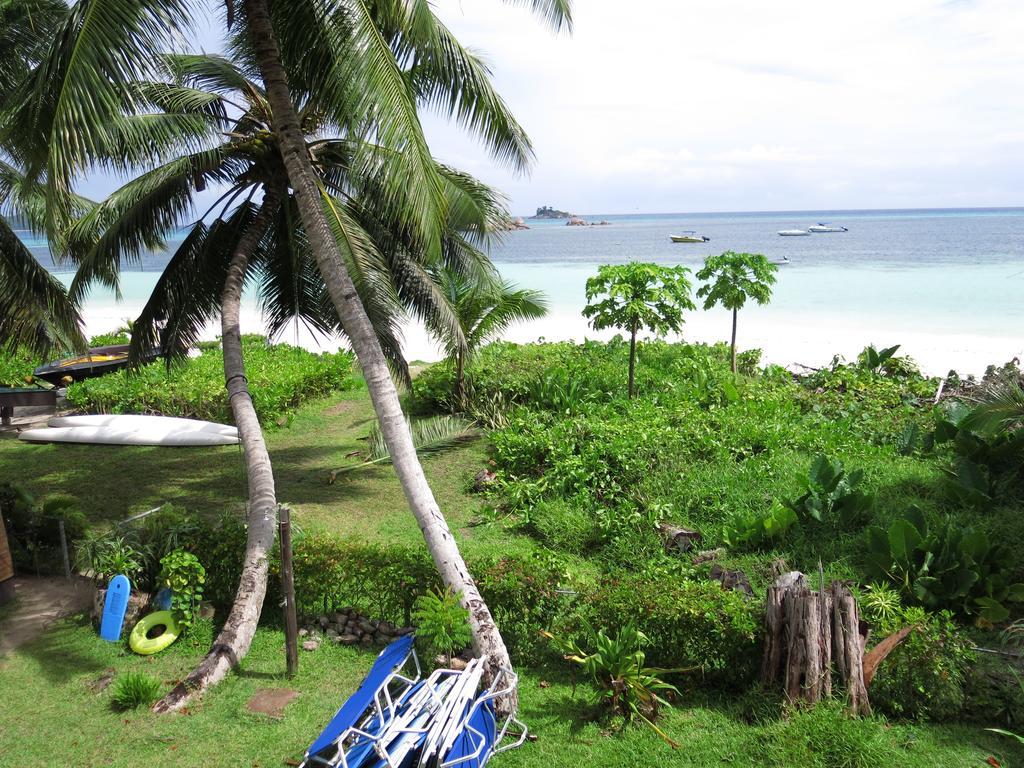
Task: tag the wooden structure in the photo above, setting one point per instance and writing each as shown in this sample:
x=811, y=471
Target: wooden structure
x=11, y=398
x=807, y=635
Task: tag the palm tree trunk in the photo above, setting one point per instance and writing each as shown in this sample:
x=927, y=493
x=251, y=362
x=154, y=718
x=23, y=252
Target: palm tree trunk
x=632, y=359
x=236, y=636
x=460, y=379
x=733, y=345
x=440, y=542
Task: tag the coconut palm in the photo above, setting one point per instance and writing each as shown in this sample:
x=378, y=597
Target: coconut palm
x=484, y=310
x=37, y=313
x=364, y=65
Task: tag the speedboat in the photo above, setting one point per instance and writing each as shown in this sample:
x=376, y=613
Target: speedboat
x=794, y=232
x=689, y=236
x=822, y=227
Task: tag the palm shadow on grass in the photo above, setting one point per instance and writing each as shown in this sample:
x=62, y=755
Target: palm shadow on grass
x=61, y=655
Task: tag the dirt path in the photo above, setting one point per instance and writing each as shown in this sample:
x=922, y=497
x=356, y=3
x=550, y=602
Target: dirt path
x=40, y=601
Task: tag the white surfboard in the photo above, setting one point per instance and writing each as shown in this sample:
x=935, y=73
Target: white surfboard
x=142, y=423
x=126, y=436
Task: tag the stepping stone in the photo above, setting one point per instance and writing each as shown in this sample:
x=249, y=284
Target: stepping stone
x=271, y=701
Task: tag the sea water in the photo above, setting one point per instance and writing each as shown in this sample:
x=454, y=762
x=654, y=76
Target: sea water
x=947, y=285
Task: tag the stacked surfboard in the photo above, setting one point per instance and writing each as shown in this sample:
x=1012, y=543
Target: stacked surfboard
x=114, y=429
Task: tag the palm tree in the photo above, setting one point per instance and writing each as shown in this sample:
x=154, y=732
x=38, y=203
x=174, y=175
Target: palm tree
x=352, y=59
x=484, y=310
x=37, y=313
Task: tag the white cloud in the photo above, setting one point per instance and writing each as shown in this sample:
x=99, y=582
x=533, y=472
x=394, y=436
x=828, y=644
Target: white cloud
x=741, y=104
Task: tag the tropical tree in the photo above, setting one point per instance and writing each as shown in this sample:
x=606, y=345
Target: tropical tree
x=735, y=278
x=638, y=296
x=37, y=313
x=484, y=309
x=368, y=68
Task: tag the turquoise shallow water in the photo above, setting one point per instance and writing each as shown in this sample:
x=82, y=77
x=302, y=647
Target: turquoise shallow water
x=947, y=284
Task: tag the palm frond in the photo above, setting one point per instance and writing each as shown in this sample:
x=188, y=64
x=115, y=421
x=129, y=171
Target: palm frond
x=37, y=313
x=557, y=13
x=998, y=407
x=431, y=435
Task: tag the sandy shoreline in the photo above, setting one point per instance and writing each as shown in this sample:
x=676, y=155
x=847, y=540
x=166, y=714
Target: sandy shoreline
x=787, y=339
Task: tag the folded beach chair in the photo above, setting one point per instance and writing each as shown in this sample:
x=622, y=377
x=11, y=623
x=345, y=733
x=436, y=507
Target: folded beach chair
x=399, y=721
x=474, y=736
x=367, y=714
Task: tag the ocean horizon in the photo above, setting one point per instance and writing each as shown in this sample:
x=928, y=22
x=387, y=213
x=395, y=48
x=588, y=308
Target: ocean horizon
x=945, y=284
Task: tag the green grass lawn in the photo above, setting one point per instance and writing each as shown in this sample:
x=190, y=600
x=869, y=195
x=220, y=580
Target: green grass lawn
x=49, y=714
x=113, y=482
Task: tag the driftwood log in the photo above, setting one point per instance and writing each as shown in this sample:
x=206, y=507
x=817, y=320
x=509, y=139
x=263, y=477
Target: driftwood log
x=807, y=633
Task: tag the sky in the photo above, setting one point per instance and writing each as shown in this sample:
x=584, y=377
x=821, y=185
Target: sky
x=745, y=105
x=734, y=105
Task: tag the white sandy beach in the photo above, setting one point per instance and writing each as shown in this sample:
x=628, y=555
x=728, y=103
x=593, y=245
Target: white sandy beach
x=787, y=337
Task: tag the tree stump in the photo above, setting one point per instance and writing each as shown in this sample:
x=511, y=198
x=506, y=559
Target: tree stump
x=678, y=540
x=807, y=633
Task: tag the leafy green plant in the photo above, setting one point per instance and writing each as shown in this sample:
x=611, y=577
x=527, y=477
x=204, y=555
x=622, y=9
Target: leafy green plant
x=756, y=528
x=618, y=670
x=636, y=296
x=733, y=279
x=944, y=566
x=1002, y=731
x=832, y=491
x=280, y=377
x=133, y=690
x=874, y=359
x=184, y=575
x=924, y=677
x=442, y=622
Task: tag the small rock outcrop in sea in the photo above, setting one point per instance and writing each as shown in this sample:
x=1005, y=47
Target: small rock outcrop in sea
x=576, y=221
x=547, y=212
x=514, y=225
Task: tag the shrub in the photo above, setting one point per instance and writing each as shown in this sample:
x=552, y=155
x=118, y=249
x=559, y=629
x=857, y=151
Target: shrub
x=280, y=378
x=16, y=367
x=923, y=679
x=834, y=493
x=689, y=623
x=33, y=527
x=947, y=565
x=133, y=690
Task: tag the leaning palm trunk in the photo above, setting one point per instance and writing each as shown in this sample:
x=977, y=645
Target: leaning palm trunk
x=236, y=636
x=440, y=542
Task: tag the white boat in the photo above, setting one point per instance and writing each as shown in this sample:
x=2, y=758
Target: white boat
x=132, y=430
x=822, y=227
x=689, y=236
x=142, y=422
x=794, y=232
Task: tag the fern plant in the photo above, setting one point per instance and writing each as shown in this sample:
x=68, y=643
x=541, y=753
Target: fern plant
x=441, y=622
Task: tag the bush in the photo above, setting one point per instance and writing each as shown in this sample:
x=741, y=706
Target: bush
x=133, y=690
x=688, y=623
x=33, y=528
x=922, y=679
x=280, y=378
x=16, y=367
x=442, y=623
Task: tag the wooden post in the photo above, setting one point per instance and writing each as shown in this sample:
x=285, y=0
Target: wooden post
x=291, y=624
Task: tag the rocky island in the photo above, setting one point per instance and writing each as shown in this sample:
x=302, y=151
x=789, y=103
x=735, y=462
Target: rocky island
x=547, y=212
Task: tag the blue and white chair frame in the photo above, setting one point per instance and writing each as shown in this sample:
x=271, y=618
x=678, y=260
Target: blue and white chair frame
x=368, y=714
x=475, y=738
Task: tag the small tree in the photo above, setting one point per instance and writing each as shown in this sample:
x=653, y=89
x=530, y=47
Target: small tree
x=638, y=295
x=736, y=277
x=483, y=309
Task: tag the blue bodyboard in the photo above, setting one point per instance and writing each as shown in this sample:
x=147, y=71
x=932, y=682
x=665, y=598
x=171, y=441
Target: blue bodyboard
x=114, y=608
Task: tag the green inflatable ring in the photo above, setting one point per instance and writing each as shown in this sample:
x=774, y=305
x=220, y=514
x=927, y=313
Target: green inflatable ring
x=146, y=646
